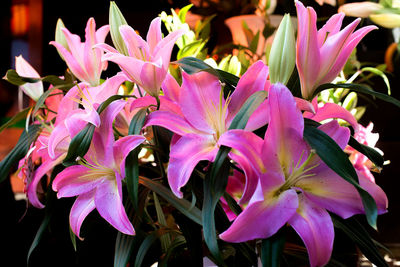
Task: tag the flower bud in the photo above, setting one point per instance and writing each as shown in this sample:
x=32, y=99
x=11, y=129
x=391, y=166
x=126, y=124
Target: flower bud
x=116, y=19
x=60, y=37
x=360, y=9
x=350, y=102
x=387, y=20
x=282, y=57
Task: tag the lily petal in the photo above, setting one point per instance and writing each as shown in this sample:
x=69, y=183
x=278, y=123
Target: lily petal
x=246, y=150
x=108, y=200
x=184, y=156
x=199, y=99
x=83, y=205
x=261, y=218
x=75, y=180
x=315, y=227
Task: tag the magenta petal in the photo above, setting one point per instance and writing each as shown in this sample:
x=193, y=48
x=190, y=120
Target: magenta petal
x=83, y=205
x=262, y=218
x=184, y=156
x=39, y=173
x=308, y=59
x=259, y=118
x=253, y=80
x=339, y=134
x=315, y=227
x=164, y=48
x=171, y=88
x=75, y=67
x=170, y=121
x=152, y=75
x=154, y=35
x=331, y=27
x=75, y=180
x=283, y=140
x=330, y=191
x=103, y=137
x=331, y=110
x=122, y=148
x=108, y=200
x=131, y=67
x=246, y=148
x=375, y=191
x=199, y=99
x=137, y=47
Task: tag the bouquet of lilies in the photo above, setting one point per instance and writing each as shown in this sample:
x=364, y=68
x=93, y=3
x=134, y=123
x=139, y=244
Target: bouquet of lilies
x=239, y=158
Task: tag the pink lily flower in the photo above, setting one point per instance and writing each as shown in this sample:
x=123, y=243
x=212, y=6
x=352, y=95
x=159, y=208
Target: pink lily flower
x=147, y=63
x=97, y=180
x=361, y=163
x=297, y=187
x=204, y=122
x=23, y=68
x=322, y=54
x=82, y=59
x=325, y=111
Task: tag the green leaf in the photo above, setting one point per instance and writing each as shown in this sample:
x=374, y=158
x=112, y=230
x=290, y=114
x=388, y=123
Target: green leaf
x=214, y=187
x=179, y=242
x=132, y=162
x=38, y=236
x=41, y=100
x=13, y=77
x=14, y=120
x=371, y=153
x=334, y=157
x=50, y=198
x=272, y=248
x=359, y=89
x=108, y=101
x=19, y=151
x=352, y=228
x=123, y=249
x=254, y=43
x=191, y=49
x=79, y=145
x=180, y=204
x=146, y=245
x=73, y=238
x=193, y=65
x=251, y=104
x=165, y=239
x=379, y=73
x=294, y=83
x=183, y=11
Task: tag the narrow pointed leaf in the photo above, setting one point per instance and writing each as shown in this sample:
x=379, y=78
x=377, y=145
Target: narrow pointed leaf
x=180, y=204
x=272, y=248
x=183, y=11
x=251, y=104
x=359, y=89
x=371, y=153
x=352, y=228
x=132, y=162
x=50, y=199
x=333, y=156
x=79, y=145
x=146, y=245
x=15, y=119
x=214, y=187
x=19, y=151
x=193, y=65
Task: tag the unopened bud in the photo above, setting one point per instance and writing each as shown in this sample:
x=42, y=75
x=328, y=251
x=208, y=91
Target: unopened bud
x=282, y=57
x=116, y=19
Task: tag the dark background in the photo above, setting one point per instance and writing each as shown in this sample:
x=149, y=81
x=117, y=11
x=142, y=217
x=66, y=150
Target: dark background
x=97, y=250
